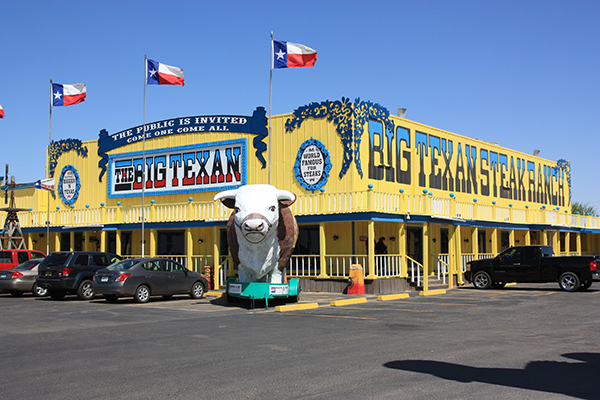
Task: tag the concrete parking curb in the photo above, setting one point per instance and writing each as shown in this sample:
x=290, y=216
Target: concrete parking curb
x=215, y=294
x=432, y=292
x=387, y=297
x=359, y=300
x=294, y=307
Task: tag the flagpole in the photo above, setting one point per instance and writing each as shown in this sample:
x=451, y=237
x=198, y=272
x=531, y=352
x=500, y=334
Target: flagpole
x=270, y=104
x=144, y=154
x=48, y=176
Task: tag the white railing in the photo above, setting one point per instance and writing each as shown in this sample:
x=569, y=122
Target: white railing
x=388, y=265
x=465, y=258
x=441, y=267
x=339, y=265
x=415, y=271
x=304, y=265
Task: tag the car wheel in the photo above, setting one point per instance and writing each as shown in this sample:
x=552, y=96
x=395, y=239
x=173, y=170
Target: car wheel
x=498, y=285
x=569, y=282
x=142, y=294
x=482, y=280
x=57, y=294
x=110, y=298
x=39, y=291
x=197, y=290
x=85, y=291
x=16, y=293
x=585, y=286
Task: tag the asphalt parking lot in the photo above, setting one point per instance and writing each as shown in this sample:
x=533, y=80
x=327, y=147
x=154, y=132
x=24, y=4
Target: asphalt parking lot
x=522, y=342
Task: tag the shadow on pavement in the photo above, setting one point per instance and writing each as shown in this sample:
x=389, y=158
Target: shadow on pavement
x=576, y=379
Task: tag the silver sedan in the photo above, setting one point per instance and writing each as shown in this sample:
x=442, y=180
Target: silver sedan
x=21, y=279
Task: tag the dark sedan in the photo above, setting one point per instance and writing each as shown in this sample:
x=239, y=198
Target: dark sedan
x=141, y=278
x=21, y=279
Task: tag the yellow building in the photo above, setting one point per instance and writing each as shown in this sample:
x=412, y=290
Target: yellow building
x=360, y=174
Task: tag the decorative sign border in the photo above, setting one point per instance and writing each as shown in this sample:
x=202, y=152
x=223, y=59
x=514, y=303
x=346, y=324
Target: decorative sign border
x=196, y=157
x=255, y=124
x=61, y=186
x=326, y=167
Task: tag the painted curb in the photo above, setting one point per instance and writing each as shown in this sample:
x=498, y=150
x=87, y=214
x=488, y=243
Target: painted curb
x=432, y=292
x=293, y=307
x=336, y=303
x=215, y=294
x=386, y=297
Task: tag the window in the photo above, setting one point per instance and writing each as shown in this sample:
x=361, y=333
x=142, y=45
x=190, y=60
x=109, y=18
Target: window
x=152, y=266
x=444, y=241
x=172, y=266
x=22, y=257
x=100, y=259
x=5, y=257
x=35, y=255
x=171, y=242
x=81, y=259
x=512, y=255
x=481, y=241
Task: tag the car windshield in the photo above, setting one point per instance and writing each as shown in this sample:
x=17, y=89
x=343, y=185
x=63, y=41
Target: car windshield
x=122, y=265
x=56, y=259
x=27, y=265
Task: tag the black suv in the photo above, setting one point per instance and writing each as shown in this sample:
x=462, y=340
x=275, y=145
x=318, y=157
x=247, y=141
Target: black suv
x=71, y=272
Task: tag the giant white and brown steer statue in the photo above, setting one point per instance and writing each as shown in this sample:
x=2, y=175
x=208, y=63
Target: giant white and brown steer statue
x=261, y=231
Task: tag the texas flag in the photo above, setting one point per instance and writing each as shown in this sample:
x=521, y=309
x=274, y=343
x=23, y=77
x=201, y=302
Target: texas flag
x=1, y=111
x=67, y=95
x=162, y=74
x=292, y=55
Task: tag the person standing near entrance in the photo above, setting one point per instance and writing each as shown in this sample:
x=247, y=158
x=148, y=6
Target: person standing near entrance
x=380, y=247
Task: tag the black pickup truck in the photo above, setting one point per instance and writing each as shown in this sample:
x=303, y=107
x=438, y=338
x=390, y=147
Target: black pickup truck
x=533, y=264
x=71, y=272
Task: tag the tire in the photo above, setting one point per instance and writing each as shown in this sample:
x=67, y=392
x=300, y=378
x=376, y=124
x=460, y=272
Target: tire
x=142, y=294
x=569, y=282
x=16, y=293
x=197, y=291
x=85, y=291
x=57, y=294
x=110, y=298
x=39, y=291
x=585, y=286
x=482, y=280
x=498, y=285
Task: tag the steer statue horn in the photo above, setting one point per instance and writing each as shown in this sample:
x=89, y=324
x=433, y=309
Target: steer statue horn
x=261, y=231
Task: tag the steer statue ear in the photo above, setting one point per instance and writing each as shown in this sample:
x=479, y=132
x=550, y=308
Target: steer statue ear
x=227, y=198
x=285, y=198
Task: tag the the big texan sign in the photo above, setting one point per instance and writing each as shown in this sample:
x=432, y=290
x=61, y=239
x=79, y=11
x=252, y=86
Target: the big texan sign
x=201, y=167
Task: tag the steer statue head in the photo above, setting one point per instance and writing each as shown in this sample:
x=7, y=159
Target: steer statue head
x=261, y=231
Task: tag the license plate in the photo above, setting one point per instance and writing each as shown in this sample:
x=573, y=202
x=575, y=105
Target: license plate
x=48, y=273
x=235, y=288
x=104, y=279
x=3, y=276
x=281, y=290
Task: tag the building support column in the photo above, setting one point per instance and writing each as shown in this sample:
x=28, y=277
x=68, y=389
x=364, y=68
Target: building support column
x=567, y=242
x=458, y=251
x=217, y=257
x=103, y=244
x=495, y=241
x=152, y=242
x=426, y=257
x=402, y=249
x=371, y=250
x=72, y=240
x=578, y=242
x=189, y=250
x=544, y=238
x=322, y=251
x=118, y=247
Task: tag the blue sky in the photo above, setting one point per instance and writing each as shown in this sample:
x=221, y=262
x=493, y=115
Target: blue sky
x=525, y=74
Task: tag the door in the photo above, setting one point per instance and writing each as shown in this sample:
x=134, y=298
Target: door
x=517, y=264
x=176, y=277
x=155, y=277
x=414, y=241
